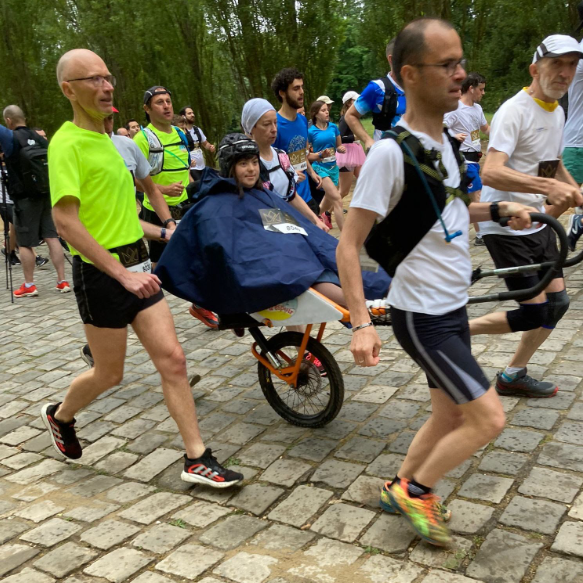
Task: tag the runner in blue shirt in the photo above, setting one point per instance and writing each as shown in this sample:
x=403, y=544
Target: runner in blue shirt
x=324, y=139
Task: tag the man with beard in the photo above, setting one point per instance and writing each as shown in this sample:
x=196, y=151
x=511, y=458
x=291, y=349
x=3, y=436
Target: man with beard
x=199, y=141
x=292, y=130
x=524, y=165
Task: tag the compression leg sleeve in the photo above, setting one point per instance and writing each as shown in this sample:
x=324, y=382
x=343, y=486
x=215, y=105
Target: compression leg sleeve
x=558, y=306
x=528, y=317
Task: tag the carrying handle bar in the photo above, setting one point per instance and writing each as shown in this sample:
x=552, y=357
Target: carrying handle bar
x=554, y=267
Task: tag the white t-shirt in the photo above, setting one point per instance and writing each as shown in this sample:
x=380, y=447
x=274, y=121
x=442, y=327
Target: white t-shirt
x=135, y=161
x=278, y=177
x=467, y=119
x=528, y=134
x=435, y=276
x=197, y=156
x=573, y=137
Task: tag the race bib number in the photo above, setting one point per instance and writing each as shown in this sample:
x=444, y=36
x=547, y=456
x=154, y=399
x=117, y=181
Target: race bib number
x=134, y=257
x=278, y=221
x=330, y=156
x=298, y=159
x=548, y=168
x=475, y=138
x=145, y=267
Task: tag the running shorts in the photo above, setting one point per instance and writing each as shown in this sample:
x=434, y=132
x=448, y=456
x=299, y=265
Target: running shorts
x=441, y=346
x=33, y=221
x=573, y=161
x=473, y=171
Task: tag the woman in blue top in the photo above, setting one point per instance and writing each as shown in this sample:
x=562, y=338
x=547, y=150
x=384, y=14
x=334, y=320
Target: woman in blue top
x=324, y=140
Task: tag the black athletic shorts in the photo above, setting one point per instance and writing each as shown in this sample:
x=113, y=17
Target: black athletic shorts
x=441, y=346
x=515, y=250
x=344, y=169
x=33, y=221
x=103, y=302
x=7, y=212
x=156, y=247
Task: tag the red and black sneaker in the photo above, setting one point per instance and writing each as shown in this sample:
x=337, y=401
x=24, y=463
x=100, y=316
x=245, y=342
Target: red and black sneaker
x=207, y=470
x=63, y=436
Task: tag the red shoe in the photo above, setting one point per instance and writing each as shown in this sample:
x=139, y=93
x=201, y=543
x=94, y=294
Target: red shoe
x=313, y=360
x=326, y=220
x=207, y=317
x=24, y=291
x=63, y=287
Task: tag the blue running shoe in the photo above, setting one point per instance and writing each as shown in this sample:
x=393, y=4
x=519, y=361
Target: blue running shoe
x=575, y=230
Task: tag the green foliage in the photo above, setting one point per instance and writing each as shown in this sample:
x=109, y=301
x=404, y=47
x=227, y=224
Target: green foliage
x=215, y=54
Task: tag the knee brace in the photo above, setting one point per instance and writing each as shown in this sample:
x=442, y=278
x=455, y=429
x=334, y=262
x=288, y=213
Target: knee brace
x=558, y=306
x=528, y=317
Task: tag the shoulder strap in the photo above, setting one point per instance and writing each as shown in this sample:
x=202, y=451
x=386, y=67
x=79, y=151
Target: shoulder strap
x=184, y=141
x=382, y=119
x=22, y=135
x=198, y=134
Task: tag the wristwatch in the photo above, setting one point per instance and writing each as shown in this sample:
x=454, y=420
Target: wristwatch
x=162, y=234
x=165, y=223
x=495, y=212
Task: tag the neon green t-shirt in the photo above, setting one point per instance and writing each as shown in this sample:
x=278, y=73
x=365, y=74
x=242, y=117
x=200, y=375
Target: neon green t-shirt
x=87, y=166
x=175, y=167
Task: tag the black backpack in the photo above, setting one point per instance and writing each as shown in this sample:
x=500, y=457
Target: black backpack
x=33, y=167
x=383, y=119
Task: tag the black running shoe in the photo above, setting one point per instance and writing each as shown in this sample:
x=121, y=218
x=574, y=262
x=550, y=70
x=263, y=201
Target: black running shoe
x=207, y=470
x=525, y=386
x=574, y=231
x=63, y=435
x=40, y=261
x=87, y=356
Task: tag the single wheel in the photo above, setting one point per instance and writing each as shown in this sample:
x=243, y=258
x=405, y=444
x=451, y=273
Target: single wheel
x=317, y=399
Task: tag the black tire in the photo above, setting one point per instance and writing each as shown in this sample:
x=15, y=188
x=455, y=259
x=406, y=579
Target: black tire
x=310, y=380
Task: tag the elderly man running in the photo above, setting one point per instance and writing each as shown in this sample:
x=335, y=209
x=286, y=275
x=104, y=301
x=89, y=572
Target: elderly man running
x=95, y=212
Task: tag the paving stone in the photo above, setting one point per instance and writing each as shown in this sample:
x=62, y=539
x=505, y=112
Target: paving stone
x=570, y=432
x=285, y=472
x=550, y=484
x=313, y=449
x=108, y=534
x=561, y=400
x=153, y=464
x=444, y=558
x=6, y=451
x=91, y=513
x=147, y=443
x=68, y=477
x=282, y=538
x=559, y=570
x=388, y=533
x=379, y=569
x=246, y=568
x=361, y=449
x=468, y=518
x=358, y=412
x=519, y=440
x=28, y=575
x=343, y=522
x=569, y=540
x=337, y=429
x=402, y=442
x=151, y=577
x=485, y=487
x=537, y=418
x=256, y=498
x=382, y=427
x=261, y=455
x=21, y=460
x=13, y=556
x=562, y=455
x=446, y=577
x=40, y=511
x=94, y=486
x=399, y=410
x=180, y=561
x=337, y=474
x=375, y=394
x=232, y=532
x=329, y=553
x=386, y=465
x=502, y=462
x=264, y=415
x=577, y=508
x=129, y=492
x=118, y=565
x=201, y=514
x=535, y=515
x=99, y=449
x=10, y=528
x=365, y=490
x=95, y=431
x=51, y=532
x=20, y=435
x=300, y=506
x=242, y=433
x=117, y=462
x=65, y=559
x=504, y=557
x=460, y=470
x=161, y=538
x=35, y=473
x=34, y=491
x=149, y=509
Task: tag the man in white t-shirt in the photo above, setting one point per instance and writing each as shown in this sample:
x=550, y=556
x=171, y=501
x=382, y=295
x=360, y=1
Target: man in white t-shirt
x=466, y=122
x=524, y=165
x=429, y=290
x=197, y=164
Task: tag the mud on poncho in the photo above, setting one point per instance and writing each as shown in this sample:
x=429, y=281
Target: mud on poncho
x=222, y=258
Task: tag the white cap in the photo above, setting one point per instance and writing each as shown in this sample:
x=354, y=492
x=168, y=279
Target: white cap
x=325, y=99
x=557, y=45
x=350, y=95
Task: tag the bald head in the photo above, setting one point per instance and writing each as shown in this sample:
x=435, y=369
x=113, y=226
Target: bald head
x=78, y=63
x=13, y=116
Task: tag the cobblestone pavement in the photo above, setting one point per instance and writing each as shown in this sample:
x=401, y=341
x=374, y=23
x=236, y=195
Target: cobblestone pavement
x=308, y=510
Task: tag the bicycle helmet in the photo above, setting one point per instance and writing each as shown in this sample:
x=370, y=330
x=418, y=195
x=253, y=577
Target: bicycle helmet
x=232, y=148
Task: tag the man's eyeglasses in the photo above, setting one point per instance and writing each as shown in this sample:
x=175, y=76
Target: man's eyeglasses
x=450, y=67
x=97, y=80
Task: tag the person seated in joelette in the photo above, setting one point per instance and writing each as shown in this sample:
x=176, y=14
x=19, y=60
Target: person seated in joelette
x=242, y=248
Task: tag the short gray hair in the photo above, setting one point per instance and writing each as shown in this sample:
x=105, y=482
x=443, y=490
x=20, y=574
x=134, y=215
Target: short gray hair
x=13, y=112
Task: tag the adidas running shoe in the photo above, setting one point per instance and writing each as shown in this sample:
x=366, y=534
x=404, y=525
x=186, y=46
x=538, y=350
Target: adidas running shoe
x=385, y=504
x=421, y=513
x=63, y=435
x=207, y=470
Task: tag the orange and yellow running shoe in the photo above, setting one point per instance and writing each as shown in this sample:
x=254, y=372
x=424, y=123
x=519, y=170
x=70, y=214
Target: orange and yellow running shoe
x=421, y=513
x=385, y=503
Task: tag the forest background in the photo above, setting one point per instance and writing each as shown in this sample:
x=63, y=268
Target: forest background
x=215, y=54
